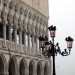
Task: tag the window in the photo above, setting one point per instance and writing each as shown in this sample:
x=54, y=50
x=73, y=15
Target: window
x=18, y=37
x=1, y=30
x=35, y=43
x=12, y=31
x=7, y=32
x=23, y=38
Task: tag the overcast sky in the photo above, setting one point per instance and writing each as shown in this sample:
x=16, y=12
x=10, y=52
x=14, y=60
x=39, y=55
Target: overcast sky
x=62, y=15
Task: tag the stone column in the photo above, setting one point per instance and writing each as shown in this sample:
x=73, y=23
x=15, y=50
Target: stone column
x=20, y=38
x=15, y=37
x=33, y=46
x=10, y=36
x=37, y=45
x=29, y=42
x=42, y=70
x=4, y=33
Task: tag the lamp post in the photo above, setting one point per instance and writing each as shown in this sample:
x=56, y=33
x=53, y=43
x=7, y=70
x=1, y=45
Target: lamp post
x=50, y=49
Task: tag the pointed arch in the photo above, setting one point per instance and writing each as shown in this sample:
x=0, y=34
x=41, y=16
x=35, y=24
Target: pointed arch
x=46, y=68
x=39, y=68
x=23, y=67
x=13, y=66
x=31, y=67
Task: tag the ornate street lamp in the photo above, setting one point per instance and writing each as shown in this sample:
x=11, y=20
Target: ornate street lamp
x=50, y=49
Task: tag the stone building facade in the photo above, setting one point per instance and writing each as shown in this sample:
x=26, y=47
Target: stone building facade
x=21, y=23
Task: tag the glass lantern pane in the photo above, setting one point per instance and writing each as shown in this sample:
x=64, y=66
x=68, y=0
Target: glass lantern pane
x=69, y=44
x=52, y=33
x=43, y=44
x=47, y=47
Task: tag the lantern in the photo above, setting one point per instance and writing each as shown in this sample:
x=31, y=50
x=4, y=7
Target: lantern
x=52, y=30
x=69, y=42
x=47, y=45
x=42, y=42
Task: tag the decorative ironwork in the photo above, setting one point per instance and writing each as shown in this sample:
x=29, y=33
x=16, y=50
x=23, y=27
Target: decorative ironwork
x=50, y=49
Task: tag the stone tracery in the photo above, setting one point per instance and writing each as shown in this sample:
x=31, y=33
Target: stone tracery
x=19, y=18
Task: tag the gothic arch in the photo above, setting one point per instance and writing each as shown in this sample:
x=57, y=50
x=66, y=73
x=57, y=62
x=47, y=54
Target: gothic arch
x=10, y=19
x=23, y=67
x=39, y=68
x=3, y=64
x=15, y=21
x=20, y=23
x=13, y=66
x=4, y=15
x=24, y=25
x=31, y=67
x=46, y=69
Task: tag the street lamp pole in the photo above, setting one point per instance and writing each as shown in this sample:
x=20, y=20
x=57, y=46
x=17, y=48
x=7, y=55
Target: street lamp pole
x=50, y=49
x=53, y=59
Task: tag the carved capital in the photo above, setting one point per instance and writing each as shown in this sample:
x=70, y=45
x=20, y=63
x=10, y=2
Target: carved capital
x=4, y=15
x=10, y=19
x=15, y=20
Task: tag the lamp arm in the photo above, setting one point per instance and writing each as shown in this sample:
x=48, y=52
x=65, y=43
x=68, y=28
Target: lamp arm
x=57, y=50
x=65, y=53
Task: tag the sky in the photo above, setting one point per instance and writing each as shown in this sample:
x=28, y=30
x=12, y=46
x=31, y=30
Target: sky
x=62, y=15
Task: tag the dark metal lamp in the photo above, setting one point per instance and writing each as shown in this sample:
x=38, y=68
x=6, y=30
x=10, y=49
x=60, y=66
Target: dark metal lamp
x=50, y=49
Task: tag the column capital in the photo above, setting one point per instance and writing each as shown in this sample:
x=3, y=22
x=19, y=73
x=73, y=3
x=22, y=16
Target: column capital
x=4, y=23
x=15, y=27
x=20, y=28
